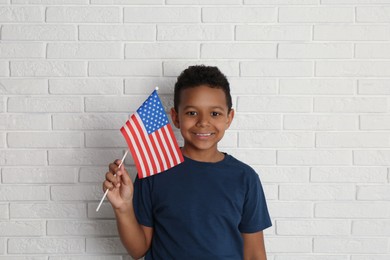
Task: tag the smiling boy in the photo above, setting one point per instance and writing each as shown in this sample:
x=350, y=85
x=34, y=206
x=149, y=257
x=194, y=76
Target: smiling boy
x=211, y=206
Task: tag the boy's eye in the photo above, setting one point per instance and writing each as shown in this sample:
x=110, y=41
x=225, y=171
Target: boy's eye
x=215, y=113
x=191, y=113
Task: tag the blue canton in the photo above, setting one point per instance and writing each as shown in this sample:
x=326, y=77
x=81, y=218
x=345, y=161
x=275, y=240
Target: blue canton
x=152, y=113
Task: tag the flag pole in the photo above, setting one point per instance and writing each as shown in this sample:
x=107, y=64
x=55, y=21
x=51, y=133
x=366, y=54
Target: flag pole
x=105, y=194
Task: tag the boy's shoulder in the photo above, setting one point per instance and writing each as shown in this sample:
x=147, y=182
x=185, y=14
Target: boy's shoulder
x=237, y=164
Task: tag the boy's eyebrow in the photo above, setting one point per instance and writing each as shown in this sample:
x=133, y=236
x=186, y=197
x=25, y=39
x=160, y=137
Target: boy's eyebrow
x=213, y=107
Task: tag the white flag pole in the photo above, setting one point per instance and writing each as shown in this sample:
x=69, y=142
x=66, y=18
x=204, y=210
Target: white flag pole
x=105, y=194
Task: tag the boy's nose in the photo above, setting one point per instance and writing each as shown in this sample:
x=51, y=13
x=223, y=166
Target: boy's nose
x=202, y=120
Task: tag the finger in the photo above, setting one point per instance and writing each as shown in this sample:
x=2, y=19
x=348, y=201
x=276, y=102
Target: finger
x=110, y=177
x=125, y=176
x=107, y=185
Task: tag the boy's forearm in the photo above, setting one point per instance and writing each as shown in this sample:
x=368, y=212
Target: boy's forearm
x=131, y=233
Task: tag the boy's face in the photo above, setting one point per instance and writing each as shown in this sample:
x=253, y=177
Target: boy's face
x=202, y=118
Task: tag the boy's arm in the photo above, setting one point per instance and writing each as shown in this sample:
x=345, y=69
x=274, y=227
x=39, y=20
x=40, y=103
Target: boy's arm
x=254, y=248
x=136, y=238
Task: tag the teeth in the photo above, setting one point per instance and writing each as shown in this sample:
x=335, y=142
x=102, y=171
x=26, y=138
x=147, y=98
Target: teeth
x=203, y=134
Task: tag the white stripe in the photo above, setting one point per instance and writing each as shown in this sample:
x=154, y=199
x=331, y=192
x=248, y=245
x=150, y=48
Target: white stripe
x=172, y=144
x=149, y=144
x=143, y=149
x=165, y=146
x=129, y=134
x=165, y=166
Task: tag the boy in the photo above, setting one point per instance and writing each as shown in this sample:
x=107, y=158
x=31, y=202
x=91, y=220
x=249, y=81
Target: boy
x=211, y=206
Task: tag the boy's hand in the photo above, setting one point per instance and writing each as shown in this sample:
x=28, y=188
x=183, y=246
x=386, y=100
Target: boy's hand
x=120, y=185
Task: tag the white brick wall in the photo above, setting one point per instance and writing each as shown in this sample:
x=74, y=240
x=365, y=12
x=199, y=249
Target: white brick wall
x=310, y=82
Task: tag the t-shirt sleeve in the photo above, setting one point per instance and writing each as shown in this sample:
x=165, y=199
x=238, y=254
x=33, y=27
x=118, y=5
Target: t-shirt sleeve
x=255, y=216
x=142, y=202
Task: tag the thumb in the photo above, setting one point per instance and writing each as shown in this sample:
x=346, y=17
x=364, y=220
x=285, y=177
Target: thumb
x=125, y=175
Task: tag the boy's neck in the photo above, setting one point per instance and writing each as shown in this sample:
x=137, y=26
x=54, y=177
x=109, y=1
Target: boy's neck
x=203, y=156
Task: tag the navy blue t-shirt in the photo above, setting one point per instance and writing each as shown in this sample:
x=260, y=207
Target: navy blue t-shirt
x=198, y=210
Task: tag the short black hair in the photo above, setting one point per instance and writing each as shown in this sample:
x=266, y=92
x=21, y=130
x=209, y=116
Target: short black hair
x=197, y=75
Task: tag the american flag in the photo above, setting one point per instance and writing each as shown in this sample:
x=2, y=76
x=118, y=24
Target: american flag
x=150, y=138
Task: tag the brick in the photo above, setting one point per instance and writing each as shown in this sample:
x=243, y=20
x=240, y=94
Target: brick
x=256, y=122
x=4, y=69
x=161, y=50
x=24, y=122
x=37, y=32
x=89, y=122
x=194, y=32
x=349, y=105
x=273, y=33
x=315, y=50
x=90, y=14
x=349, y=245
x=2, y=246
x=280, y=2
x=373, y=14
x=102, y=32
x=48, y=68
x=93, y=174
x=44, y=140
x=352, y=69
x=83, y=157
x=85, y=257
x=203, y=2
x=372, y=50
x=44, y=104
x=369, y=257
x=317, y=86
x=373, y=86
x=2, y=105
x=321, y=122
x=351, y=32
x=23, y=86
x=23, y=192
x=239, y=14
x=348, y=210
x=263, y=139
x=4, y=211
x=372, y=157
x=373, y=192
x=270, y=191
x=105, y=211
x=374, y=227
x=315, y=157
x=22, y=228
x=51, y=2
x=22, y=50
x=313, y=227
x=348, y=174
x=316, y=192
x=353, y=140
x=105, y=246
x=22, y=157
x=316, y=14
x=230, y=140
x=276, y=68
x=238, y=50
x=106, y=139
x=144, y=86
x=48, y=210
x=174, y=68
x=251, y=86
x=311, y=257
x=288, y=244
x=254, y=156
x=2, y=140
x=273, y=104
x=22, y=14
x=84, y=51
x=125, y=68
x=86, y=86
x=283, y=174
x=82, y=228
x=40, y=175
x=290, y=209
x=375, y=122
x=46, y=245
x=8, y=257
x=355, y=2
x=113, y=103
x=161, y=14
x=127, y=2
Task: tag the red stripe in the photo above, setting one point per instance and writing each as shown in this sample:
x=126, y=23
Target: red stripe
x=155, y=150
x=177, y=148
x=169, y=147
x=138, y=144
x=147, y=152
x=131, y=147
x=166, y=158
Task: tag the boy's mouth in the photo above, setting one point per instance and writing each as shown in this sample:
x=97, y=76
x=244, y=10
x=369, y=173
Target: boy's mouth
x=203, y=134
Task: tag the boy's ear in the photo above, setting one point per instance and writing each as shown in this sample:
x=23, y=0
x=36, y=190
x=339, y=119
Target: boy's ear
x=230, y=118
x=175, y=118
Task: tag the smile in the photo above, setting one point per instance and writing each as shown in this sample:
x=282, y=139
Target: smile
x=208, y=134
